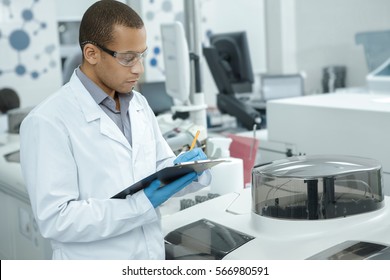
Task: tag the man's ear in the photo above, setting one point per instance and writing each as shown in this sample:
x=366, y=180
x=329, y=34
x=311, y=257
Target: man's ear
x=91, y=53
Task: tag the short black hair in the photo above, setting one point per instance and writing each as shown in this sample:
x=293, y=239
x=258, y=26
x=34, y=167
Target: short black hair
x=100, y=18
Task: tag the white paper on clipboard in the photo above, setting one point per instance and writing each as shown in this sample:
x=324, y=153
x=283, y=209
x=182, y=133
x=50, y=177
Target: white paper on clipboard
x=170, y=174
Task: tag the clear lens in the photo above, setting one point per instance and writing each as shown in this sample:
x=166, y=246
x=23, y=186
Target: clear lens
x=130, y=58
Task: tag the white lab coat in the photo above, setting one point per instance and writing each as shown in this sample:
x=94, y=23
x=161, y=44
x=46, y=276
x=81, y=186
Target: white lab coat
x=74, y=158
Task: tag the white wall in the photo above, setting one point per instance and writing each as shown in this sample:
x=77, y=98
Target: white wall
x=326, y=35
x=305, y=35
x=73, y=10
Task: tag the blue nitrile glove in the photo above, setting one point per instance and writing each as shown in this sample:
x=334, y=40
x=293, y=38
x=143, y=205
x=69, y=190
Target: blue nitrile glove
x=194, y=154
x=158, y=195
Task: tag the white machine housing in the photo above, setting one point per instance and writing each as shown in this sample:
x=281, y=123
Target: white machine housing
x=336, y=123
x=19, y=235
x=277, y=239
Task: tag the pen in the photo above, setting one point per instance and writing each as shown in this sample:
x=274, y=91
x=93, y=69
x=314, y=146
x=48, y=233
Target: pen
x=194, y=141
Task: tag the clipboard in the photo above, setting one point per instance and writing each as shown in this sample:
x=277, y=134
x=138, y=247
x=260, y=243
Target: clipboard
x=170, y=174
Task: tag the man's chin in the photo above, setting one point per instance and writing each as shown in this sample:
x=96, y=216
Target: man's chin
x=125, y=90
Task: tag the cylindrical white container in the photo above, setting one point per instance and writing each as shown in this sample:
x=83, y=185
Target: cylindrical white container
x=227, y=177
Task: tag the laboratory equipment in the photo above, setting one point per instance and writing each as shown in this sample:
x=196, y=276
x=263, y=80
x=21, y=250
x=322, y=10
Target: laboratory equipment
x=177, y=71
x=317, y=187
x=71, y=62
x=218, y=147
x=19, y=234
x=334, y=123
x=157, y=97
x=378, y=81
x=233, y=51
x=229, y=62
x=203, y=239
x=297, y=208
x=176, y=60
x=177, y=74
x=377, y=54
x=375, y=45
x=274, y=86
x=9, y=99
x=223, y=184
x=354, y=250
x=15, y=118
x=333, y=77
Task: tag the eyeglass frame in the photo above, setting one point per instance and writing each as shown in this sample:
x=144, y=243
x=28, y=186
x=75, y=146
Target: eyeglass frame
x=139, y=56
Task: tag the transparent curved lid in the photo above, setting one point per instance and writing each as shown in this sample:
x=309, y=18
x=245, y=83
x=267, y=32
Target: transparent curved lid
x=307, y=167
x=317, y=187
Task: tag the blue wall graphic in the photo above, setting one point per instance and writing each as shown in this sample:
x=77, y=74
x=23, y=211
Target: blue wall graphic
x=155, y=13
x=21, y=37
x=29, y=49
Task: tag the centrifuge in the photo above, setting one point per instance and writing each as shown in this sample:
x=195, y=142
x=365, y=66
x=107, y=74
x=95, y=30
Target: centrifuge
x=303, y=207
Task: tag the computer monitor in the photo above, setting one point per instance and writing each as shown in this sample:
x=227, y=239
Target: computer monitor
x=176, y=61
x=229, y=63
x=157, y=97
x=233, y=51
x=220, y=76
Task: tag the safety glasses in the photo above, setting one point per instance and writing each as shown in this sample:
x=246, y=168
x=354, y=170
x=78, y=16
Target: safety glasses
x=127, y=59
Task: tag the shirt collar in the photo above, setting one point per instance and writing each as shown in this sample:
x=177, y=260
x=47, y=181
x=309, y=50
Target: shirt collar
x=96, y=92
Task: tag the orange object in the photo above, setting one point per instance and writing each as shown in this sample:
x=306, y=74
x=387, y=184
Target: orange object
x=195, y=139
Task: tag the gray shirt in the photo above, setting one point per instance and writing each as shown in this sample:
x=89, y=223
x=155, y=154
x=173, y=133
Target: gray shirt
x=120, y=117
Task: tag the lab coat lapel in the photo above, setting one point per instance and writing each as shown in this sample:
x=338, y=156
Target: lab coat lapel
x=138, y=124
x=93, y=112
x=111, y=130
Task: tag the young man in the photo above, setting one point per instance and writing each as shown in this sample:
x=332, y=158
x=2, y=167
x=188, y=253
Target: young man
x=95, y=137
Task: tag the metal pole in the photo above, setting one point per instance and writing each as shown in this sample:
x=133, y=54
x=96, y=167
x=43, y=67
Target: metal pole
x=193, y=31
x=192, y=27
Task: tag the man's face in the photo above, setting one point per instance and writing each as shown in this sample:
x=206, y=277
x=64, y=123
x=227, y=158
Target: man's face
x=112, y=76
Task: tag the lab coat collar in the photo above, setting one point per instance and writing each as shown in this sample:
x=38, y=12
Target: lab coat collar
x=93, y=112
x=88, y=106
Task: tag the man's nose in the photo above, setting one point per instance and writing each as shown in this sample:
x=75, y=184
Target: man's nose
x=138, y=68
